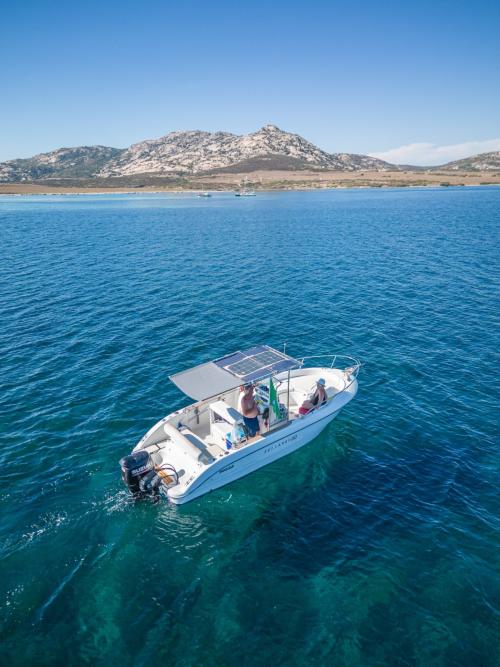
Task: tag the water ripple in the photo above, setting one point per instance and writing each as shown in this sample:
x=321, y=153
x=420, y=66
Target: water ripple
x=374, y=545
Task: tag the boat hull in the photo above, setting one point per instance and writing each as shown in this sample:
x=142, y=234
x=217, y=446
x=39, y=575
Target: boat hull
x=270, y=448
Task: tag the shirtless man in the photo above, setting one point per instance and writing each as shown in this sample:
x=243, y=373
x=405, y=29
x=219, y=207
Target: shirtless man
x=249, y=410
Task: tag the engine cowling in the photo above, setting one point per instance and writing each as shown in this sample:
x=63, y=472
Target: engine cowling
x=134, y=468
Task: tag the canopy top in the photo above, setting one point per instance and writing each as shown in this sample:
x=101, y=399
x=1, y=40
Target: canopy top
x=220, y=375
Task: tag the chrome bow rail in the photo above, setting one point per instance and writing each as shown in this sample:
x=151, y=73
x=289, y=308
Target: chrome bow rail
x=355, y=364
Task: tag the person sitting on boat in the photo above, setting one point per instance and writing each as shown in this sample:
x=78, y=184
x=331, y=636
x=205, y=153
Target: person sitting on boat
x=316, y=400
x=249, y=410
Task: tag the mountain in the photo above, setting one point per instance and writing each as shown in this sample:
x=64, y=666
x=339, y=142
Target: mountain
x=191, y=152
x=80, y=162
x=194, y=152
x=481, y=162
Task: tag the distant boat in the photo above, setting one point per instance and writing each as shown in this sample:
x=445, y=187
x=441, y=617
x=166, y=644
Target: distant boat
x=204, y=194
x=244, y=192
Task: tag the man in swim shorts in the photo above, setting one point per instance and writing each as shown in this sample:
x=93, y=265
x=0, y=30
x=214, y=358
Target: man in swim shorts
x=249, y=410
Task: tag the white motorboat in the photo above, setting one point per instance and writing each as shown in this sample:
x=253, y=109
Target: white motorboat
x=204, y=194
x=245, y=193
x=207, y=444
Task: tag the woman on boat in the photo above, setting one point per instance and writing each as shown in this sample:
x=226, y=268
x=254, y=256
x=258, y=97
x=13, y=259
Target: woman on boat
x=317, y=399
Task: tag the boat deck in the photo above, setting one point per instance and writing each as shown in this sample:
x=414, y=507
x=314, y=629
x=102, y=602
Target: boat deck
x=190, y=439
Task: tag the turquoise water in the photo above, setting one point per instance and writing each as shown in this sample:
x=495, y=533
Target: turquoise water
x=375, y=545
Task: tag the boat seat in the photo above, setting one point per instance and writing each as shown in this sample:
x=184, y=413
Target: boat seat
x=192, y=446
x=205, y=455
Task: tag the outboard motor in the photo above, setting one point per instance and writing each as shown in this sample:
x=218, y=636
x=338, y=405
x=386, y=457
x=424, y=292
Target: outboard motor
x=149, y=483
x=134, y=467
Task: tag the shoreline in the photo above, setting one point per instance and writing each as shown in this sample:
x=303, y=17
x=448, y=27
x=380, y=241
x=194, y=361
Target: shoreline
x=66, y=192
x=259, y=181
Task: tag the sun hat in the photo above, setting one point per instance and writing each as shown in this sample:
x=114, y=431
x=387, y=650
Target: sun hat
x=321, y=382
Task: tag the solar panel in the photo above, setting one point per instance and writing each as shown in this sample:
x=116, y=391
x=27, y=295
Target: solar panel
x=256, y=362
x=243, y=367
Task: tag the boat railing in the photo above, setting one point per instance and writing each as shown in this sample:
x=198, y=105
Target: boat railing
x=352, y=362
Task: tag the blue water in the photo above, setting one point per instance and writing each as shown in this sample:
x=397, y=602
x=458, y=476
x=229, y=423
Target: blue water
x=375, y=545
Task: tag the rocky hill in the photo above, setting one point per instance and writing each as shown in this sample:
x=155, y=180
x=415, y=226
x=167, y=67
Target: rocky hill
x=481, y=162
x=80, y=162
x=195, y=152
x=192, y=152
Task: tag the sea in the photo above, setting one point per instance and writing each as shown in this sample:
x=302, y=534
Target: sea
x=376, y=544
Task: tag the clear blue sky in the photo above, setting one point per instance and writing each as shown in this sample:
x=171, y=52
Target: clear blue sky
x=357, y=77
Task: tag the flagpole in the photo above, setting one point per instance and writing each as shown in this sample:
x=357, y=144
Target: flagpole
x=288, y=398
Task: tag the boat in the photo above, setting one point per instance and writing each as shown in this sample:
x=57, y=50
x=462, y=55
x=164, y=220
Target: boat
x=204, y=194
x=206, y=445
x=244, y=191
